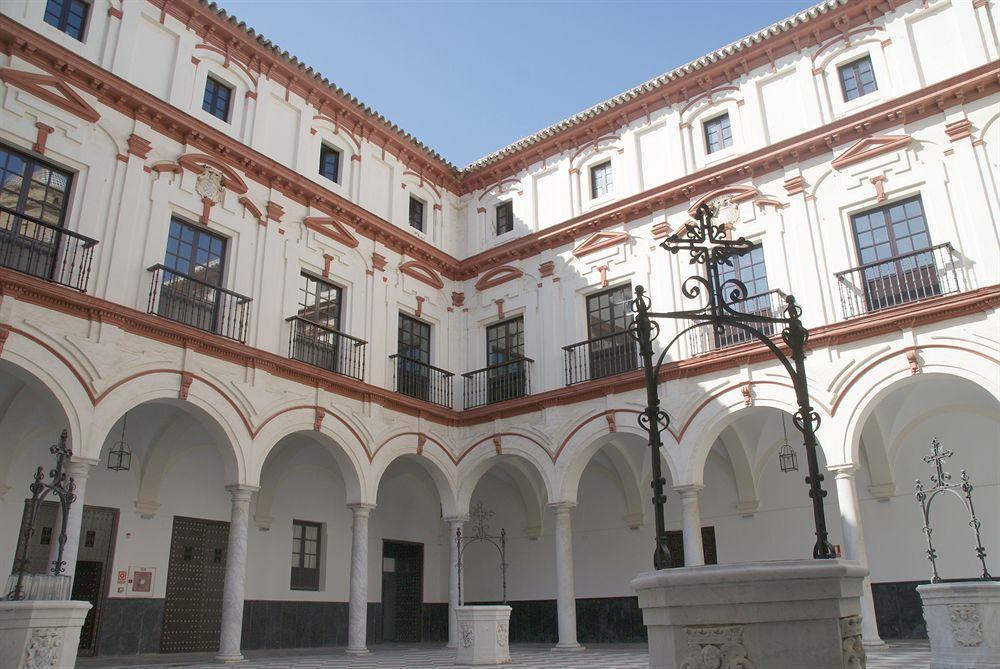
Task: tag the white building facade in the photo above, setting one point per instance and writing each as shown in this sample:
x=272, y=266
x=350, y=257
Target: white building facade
x=314, y=333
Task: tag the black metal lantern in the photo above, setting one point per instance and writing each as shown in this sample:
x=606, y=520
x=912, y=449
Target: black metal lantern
x=786, y=454
x=120, y=455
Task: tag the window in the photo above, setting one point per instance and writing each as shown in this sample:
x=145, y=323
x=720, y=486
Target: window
x=69, y=16
x=30, y=189
x=194, y=252
x=889, y=241
x=191, y=277
x=414, y=341
x=305, y=555
x=610, y=350
x=217, y=98
x=748, y=269
x=507, y=372
x=416, y=214
x=600, y=179
x=319, y=301
x=329, y=162
x=505, y=217
x=857, y=78
x=718, y=134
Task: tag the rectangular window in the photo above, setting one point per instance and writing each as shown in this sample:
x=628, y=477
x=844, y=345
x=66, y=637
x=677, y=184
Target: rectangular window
x=416, y=214
x=31, y=189
x=718, y=134
x=414, y=339
x=600, y=179
x=217, y=98
x=890, y=240
x=748, y=269
x=610, y=349
x=192, y=275
x=857, y=78
x=505, y=217
x=329, y=162
x=316, y=337
x=305, y=555
x=507, y=374
x=319, y=301
x=69, y=16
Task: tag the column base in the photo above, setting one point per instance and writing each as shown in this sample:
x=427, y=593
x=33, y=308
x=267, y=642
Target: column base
x=874, y=644
x=358, y=651
x=566, y=647
x=230, y=658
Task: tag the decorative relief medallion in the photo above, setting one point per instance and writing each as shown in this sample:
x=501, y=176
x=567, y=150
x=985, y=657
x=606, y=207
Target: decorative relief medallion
x=851, y=645
x=502, y=634
x=468, y=635
x=966, y=628
x=210, y=185
x=727, y=212
x=44, y=649
x=716, y=648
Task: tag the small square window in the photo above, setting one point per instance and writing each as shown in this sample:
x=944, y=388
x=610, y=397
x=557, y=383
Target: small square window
x=305, y=555
x=600, y=179
x=718, y=134
x=329, y=163
x=505, y=217
x=857, y=78
x=416, y=214
x=69, y=16
x=217, y=98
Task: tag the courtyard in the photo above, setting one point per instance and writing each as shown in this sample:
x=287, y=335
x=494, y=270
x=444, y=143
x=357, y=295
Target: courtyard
x=898, y=655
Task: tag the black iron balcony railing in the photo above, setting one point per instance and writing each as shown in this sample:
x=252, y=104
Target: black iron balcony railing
x=197, y=303
x=418, y=379
x=905, y=278
x=770, y=304
x=497, y=383
x=322, y=346
x=595, y=358
x=32, y=246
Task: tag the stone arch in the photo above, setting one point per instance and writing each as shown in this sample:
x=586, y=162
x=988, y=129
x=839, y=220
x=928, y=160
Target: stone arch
x=615, y=445
x=478, y=460
x=433, y=459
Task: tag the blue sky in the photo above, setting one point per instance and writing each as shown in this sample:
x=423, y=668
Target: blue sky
x=467, y=78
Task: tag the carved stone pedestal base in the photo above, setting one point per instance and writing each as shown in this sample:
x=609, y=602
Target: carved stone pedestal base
x=963, y=623
x=40, y=634
x=761, y=615
x=483, y=635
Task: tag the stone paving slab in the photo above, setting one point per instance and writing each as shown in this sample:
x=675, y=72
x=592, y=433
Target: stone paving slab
x=899, y=655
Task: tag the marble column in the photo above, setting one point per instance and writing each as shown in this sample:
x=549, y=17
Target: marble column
x=357, y=623
x=453, y=582
x=565, y=589
x=79, y=470
x=694, y=551
x=854, y=548
x=234, y=587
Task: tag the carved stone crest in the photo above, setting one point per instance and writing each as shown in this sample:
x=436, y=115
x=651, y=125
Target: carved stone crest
x=44, y=648
x=966, y=628
x=210, y=185
x=727, y=212
x=502, y=634
x=851, y=644
x=468, y=635
x=716, y=647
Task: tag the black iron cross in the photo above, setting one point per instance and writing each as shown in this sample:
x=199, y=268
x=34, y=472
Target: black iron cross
x=937, y=458
x=480, y=514
x=707, y=242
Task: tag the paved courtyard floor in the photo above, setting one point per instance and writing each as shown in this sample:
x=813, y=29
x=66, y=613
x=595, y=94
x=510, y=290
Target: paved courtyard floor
x=899, y=655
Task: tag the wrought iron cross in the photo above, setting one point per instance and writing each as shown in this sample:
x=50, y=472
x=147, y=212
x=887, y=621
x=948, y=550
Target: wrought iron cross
x=706, y=241
x=479, y=515
x=937, y=459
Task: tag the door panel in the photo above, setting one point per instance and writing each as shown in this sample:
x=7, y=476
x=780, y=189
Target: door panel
x=402, y=591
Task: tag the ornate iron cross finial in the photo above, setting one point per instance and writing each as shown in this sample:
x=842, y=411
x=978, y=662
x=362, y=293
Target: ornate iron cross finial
x=937, y=458
x=480, y=515
x=706, y=242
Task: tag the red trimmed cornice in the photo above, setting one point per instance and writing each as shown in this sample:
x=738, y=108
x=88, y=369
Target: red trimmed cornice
x=28, y=289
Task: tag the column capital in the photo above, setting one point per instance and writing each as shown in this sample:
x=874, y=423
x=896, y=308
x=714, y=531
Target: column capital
x=689, y=490
x=452, y=520
x=79, y=468
x=562, y=507
x=241, y=491
x=361, y=508
x=843, y=471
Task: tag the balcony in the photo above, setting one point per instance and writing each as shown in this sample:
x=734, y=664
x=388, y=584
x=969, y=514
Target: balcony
x=422, y=381
x=324, y=347
x=770, y=304
x=497, y=383
x=595, y=358
x=201, y=305
x=902, y=279
x=43, y=250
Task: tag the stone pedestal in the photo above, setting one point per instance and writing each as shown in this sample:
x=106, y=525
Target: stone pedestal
x=37, y=634
x=761, y=615
x=483, y=635
x=963, y=623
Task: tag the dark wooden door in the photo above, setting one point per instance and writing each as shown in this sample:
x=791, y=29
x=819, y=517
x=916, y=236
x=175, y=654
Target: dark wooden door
x=675, y=542
x=98, y=530
x=192, y=613
x=402, y=590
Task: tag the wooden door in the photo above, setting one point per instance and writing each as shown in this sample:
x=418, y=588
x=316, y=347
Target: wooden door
x=402, y=591
x=192, y=613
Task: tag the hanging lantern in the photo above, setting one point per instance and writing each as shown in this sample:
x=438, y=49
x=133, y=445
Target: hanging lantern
x=120, y=455
x=787, y=459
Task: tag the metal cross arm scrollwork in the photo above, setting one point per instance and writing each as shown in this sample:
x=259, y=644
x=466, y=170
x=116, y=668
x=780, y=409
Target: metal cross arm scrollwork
x=481, y=533
x=709, y=245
